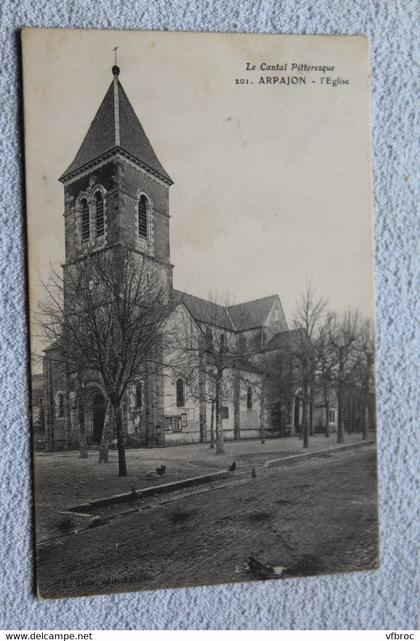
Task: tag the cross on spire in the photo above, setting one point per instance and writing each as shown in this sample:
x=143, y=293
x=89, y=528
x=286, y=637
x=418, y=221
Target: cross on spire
x=115, y=68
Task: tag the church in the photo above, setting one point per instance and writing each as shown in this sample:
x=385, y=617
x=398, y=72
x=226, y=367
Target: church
x=116, y=192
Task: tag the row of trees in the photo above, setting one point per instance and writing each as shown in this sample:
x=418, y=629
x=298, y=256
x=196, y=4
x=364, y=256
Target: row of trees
x=108, y=317
x=331, y=356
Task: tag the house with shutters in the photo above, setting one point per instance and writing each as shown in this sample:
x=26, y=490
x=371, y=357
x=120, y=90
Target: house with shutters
x=116, y=192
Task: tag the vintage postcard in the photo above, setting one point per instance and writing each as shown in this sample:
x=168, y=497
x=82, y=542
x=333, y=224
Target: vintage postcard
x=200, y=268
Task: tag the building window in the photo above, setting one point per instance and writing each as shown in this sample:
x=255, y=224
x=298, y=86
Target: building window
x=331, y=416
x=85, y=220
x=222, y=343
x=249, y=398
x=224, y=411
x=99, y=206
x=40, y=401
x=142, y=216
x=180, y=393
x=177, y=424
x=139, y=395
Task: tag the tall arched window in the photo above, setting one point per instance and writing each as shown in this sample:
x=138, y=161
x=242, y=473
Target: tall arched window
x=99, y=206
x=142, y=216
x=180, y=393
x=139, y=395
x=85, y=220
x=249, y=398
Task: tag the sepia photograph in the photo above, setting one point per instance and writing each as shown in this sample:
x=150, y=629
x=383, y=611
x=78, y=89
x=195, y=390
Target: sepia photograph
x=201, y=308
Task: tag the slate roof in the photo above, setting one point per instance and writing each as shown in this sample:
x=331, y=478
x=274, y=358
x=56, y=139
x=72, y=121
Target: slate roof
x=248, y=315
x=102, y=134
x=204, y=310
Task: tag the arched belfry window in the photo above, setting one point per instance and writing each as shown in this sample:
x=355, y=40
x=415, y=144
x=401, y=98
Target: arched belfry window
x=180, y=393
x=99, y=205
x=85, y=220
x=142, y=217
x=249, y=398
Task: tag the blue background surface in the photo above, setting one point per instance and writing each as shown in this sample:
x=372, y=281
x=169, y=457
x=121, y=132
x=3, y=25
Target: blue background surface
x=382, y=599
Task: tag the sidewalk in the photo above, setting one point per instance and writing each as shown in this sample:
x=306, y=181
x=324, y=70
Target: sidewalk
x=63, y=480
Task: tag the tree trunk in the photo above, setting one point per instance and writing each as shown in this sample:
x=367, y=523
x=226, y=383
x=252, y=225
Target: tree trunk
x=327, y=418
x=212, y=425
x=83, y=448
x=366, y=408
x=340, y=417
x=106, y=434
x=122, y=464
x=219, y=424
x=262, y=421
x=365, y=418
x=311, y=402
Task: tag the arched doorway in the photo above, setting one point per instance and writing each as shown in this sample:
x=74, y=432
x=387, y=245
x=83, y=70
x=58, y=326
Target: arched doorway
x=98, y=416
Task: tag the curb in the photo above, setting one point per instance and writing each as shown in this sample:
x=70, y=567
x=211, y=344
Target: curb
x=149, y=491
x=296, y=457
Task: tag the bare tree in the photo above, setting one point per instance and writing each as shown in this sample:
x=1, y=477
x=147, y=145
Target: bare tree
x=324, y=367
x=212, y=344
x=216, y=351
x=364, y=371
x=343, y=337
x=107, y=314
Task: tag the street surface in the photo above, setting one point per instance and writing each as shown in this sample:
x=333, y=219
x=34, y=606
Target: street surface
x=63, y=480
x=313, y=517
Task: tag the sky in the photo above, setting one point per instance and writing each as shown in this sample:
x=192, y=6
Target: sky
x=272, y=182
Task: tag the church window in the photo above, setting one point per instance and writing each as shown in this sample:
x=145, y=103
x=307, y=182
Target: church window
x=331, y=416
x=222, y=343
x=180, y=393
x=139, y=395
x=249, y=398
x=100, y=225
x=85, y=220
x=142, y=216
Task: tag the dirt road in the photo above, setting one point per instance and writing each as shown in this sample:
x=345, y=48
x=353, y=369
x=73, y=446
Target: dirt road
x=315, y=517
